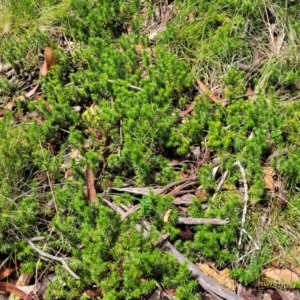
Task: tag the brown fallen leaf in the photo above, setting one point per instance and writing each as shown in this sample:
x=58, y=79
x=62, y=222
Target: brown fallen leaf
x=186, y=234
x=203, y=196
x=257, y=56
x=32, y=91
x=269, y=173
x=41, y=99
x=9, y=105
x=10, y=288
x=275, y=186
x=250, y=93
x=282, y=275
x=189, y=109
x=95, y=292
x=50, y=61
x=90, y=184
x=191, y=16
x=206, y=90
x=5, y=272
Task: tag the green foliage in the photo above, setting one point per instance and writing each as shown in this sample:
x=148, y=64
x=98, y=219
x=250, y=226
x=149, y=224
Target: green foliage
x=114, y=100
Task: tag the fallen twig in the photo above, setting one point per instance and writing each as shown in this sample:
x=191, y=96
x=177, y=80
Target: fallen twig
x=129, y=85
x=205, y=281
x=47, y=255
x=172, y=184
x=130, y=211
x=199, y=221
x=176, y=191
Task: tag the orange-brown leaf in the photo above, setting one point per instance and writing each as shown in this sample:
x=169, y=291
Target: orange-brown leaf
x=250, y=93
x=189, y=109
x=206, y=90
x=10, y=288
x=50, y=61
x=269, y=173
x=90, y=184
x=5, y=272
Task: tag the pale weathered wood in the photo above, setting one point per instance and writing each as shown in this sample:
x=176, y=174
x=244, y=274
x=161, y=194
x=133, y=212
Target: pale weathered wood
x=199, y=221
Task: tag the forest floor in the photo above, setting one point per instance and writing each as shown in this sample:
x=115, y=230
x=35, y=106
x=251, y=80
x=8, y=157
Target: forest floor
x=150, y=149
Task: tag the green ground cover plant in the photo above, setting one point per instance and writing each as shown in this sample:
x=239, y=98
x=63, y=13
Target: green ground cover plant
x=113, y=103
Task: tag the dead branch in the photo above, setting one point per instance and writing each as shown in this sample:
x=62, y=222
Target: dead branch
x=205, y=281
x=52, y=257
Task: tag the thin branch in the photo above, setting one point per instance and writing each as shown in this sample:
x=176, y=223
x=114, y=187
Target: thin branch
x=52, y=257
x=129, y=85
x=173, y=184
x=199, y=221
x=223, y=178
x=130, y=211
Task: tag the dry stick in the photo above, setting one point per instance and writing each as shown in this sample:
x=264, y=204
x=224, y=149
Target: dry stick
x=246, y=198
x=129, y=85
x=172, y=184
x=184, y=192
x=224, y=176
x=199, y=221
x=130, y=211
x=179, y=188
x=205, y=281
x=60, y=259
x=208, y=284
